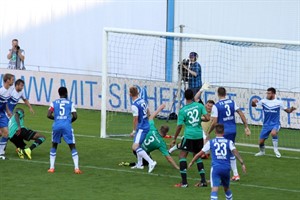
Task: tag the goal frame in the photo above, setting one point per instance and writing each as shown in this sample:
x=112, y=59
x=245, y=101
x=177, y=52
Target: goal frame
x=272, y=43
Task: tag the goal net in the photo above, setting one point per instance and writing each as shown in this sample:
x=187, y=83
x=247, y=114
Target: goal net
x=245, y=67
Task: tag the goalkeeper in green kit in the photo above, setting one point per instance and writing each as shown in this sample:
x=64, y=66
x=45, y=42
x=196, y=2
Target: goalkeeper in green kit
x=18, y=133
x=154, y=140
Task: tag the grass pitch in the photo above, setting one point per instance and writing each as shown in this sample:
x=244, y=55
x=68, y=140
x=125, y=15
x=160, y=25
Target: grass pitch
x=267, y=177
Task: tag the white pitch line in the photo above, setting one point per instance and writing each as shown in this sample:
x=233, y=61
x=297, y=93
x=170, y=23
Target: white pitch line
x=153, y=174
x=130, y=140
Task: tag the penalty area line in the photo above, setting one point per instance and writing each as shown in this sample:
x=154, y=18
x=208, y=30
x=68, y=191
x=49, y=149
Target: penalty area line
x=134, y=171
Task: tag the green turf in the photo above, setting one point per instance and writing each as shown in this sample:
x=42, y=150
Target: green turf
x=267, y=177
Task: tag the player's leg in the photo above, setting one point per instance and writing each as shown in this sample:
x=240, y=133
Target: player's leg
x=28, y=134
x=56, y=139
x=225, y=180
x=233, y=165
x=52, y=157
x=274, y=134
x=174, y=148
x=37, y=137
x=69, y=138
x=18, y=141
x=4, y=138
x=264, y=134
x=197, y=146
x=215, y=180
x=183, y=163
x=141, y=154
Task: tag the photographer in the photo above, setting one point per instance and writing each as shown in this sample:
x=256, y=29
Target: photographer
x=194, y=71
x=16, y=56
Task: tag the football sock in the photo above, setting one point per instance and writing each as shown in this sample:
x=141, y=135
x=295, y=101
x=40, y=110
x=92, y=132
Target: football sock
x=145, y=163
x=141, y=153
x=262, y=147
x=214, y=195
x=3, y=143
x=36, y=143
x=233, y=166
x=175, y=147
x=75, y=158
x=228, y=195
x=183, y=166
x=275, y=143
x=52, y=157
x=201, y=171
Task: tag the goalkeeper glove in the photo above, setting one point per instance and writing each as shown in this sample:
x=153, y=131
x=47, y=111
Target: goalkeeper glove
x=205, y=86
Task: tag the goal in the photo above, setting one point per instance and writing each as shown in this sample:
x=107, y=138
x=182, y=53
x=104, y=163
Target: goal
x=245, y=67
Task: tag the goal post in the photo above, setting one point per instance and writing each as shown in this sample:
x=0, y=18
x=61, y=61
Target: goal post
x=245, y=67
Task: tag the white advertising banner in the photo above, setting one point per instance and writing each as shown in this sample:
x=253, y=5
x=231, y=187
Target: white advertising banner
x=85, y=91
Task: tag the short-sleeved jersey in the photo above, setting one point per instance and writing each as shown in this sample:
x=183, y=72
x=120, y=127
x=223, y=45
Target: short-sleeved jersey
x=195, y=81
x=224, y=110
x=4, y=96
x=190, y=116
x=14, y=99
x=154, y=141
x=139, y=109
x=220, y=150
x=62, y=109
x=13, y=125
x=271, y=111
x=206, y=125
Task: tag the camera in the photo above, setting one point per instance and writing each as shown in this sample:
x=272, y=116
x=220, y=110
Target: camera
x=186, y=62
x=17, y=47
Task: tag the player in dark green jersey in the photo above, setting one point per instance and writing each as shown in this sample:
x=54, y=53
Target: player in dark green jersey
x=154, y=140
x=191, y=116
x=18, y=133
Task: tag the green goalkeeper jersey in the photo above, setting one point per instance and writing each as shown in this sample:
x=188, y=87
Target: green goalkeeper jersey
x=154, y=141
x=190, y=116
x=13, y=125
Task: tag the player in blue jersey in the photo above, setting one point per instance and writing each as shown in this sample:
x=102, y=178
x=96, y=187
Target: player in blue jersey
x=271, y=125
x=63, y=112
x=141, y=127
x=221, y=150
x=223, y=112
x=5, y=92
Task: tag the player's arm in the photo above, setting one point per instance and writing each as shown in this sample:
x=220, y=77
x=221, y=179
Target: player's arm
x=243, y=118
x=17, y=118
x=50, y=112
x=171, y=160
x=178, y=129
x=198, y=155
x=289, y=110
x=28, y=105
x=160, y=108
x=254, y=102
x=238, y=156
x=214, y=121
x=74, y=116
x=8, y=111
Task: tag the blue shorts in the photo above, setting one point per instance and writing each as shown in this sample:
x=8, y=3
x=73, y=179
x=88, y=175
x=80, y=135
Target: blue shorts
x=266, y=130
x=140, y=136
x=218, y=176
x=3, y=120
x=65, y=133
x=230, y=136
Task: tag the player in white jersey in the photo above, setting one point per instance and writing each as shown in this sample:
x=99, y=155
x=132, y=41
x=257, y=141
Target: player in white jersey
x=5, y=92
x=221, y=149
x=17, y=93
x=271, y=124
